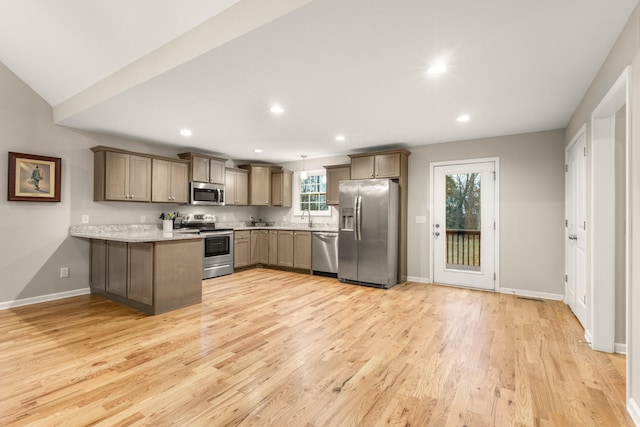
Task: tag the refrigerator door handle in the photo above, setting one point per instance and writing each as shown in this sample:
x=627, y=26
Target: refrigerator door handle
x=359, y=217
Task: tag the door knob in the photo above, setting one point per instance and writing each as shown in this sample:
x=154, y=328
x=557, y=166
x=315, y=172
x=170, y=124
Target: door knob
x=573, y=237
x=437, y=233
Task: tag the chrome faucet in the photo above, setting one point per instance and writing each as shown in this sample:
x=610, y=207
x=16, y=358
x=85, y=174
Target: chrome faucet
x=309, y=213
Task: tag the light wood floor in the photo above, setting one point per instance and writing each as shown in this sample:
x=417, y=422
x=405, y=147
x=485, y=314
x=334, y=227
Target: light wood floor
x=276, y=348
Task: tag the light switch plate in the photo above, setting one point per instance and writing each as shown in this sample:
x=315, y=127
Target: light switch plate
x=64, y=272
x=85, y=219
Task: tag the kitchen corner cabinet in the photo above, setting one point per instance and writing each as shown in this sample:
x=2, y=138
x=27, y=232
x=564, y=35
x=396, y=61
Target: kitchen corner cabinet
x=260, y=247
x=170, y=182
x=388, y=164
x=335, y=174
x=241, y=248
x=205, y=168
x=302, y=250
x=281, y=188
x=121, y=176
x=236, y=187
x=153, y=277
x=259, y=183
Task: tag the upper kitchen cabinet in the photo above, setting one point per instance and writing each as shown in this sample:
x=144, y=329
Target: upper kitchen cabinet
x=259, y=183
x=335, y=174
x=281, y=188
x=120, y=175
x=236, y=187
x=205, y=168
x=384, y=164
x=170, y=183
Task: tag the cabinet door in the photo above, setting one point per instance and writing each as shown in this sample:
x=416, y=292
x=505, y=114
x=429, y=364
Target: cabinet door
x=117, y=261
x=216, y=171
x=255, y=247
x=276, y=189
x=140, y=285
x=116, y=176
x=161, y=173
x=242, y=188
x=140, y=178
x=260, y=188
x=287, y=188
x=285, y=248
x=98, y=265
x=362, y=167
x=230, y=188
x=179, y=182
x=259, y=247
x=200, y=169
x=273, y=247
x=334, y=176
x=302, y=249
x=241, y=248
x=387, y=165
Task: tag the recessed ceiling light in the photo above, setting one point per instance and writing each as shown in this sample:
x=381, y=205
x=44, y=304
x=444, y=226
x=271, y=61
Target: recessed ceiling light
x=257, y=150
x=277, y=109
x=186, y=132
x=435, y=69
x=463, y=118
x=340, y=138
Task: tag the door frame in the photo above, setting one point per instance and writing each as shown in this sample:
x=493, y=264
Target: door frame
x=496, y=210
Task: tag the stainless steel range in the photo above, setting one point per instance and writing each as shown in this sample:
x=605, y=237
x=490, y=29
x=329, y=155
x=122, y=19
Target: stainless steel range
x=217, y=252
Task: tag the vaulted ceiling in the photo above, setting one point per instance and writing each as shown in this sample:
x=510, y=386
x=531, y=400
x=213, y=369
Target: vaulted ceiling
x=147, y=69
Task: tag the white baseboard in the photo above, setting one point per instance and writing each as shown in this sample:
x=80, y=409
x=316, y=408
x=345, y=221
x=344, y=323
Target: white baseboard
x=587, y=336
x=634, y=411
x=620, y=348
x=43, y=298
x=418, y=279
x=531, y=294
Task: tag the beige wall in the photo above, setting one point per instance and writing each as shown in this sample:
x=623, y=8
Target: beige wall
x=531, y=180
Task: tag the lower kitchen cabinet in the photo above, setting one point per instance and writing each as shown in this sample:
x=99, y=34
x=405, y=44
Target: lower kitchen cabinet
x=241, y=248
x=153, y=277
x=285, y=248
x=259, y=247
x=302, y=250
x=273, y=247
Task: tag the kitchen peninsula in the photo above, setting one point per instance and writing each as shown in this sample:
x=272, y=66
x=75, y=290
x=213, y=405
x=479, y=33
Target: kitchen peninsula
x=142, y=267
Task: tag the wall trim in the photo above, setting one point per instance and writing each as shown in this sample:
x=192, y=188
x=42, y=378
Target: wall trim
x=620, y=348
x=532, y=294
x=418, y=279
x=634, y=410
x=44, y=298
x=587, y=336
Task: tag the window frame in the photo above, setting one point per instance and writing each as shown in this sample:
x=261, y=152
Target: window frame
x=296, y=193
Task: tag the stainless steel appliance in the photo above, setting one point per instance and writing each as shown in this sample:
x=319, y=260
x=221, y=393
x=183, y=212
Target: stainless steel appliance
x=368, y=232
x=217, y=252
x=324, y=250
x=204, y=193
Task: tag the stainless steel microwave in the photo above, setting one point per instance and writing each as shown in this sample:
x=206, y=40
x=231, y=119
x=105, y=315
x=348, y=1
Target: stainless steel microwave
x=204, y=193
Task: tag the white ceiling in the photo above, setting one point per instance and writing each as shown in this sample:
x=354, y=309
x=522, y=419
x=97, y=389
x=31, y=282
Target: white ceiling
x=354, y=67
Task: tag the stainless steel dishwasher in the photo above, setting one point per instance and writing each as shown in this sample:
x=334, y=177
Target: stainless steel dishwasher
x=324, y=251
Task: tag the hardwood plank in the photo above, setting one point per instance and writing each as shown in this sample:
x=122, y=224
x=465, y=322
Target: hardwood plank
x=270, y=347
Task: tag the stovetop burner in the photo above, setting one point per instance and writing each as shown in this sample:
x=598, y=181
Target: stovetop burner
x=203, y=222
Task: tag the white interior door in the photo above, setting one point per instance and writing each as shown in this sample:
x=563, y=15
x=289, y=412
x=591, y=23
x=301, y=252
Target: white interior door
x=575, y=230
x=463, y=226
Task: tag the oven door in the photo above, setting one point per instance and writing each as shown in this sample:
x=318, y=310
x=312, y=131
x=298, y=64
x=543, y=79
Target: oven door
x=217, y=254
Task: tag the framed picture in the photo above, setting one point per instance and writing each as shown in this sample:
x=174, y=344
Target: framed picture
x=34, y=178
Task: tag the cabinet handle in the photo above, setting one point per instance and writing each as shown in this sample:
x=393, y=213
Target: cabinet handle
x=132, y=196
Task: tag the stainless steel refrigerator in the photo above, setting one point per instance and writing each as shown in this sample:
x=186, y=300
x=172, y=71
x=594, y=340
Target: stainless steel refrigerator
x=368, y=232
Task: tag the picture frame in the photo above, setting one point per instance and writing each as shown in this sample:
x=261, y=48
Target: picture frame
x=34, y=178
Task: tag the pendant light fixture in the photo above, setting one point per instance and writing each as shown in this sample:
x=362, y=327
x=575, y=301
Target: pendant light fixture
x=303, y=174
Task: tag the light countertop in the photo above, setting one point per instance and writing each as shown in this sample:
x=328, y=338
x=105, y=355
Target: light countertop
x=135, y=233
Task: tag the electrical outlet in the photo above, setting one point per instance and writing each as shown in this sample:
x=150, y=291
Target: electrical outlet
x=143, y=219
x=64, y=271
x=85, y=219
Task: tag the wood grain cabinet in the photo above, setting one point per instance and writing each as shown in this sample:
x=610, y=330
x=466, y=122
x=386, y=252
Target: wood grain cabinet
x=260, y=247
x=170, y=183
x=384, y=165
x=335, y=174
x=281, y=188
x=302, y=250
x=241, y=248
x=121, y=176
x=259, y=184
x=273, y=247
x=285, y=248
x=205, y=168
x=236, y=187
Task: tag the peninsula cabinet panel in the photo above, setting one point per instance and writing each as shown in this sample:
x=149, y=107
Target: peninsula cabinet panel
x=335, y=174
x=140, y=284
x=302, y=250
x=273, y=247
x=177, y=274
x=117, y=268
x=98, y=281
x=170, y=182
